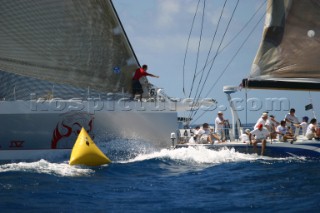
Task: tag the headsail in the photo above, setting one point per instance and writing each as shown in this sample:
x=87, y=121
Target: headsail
x=288, y=57
x=78, y=43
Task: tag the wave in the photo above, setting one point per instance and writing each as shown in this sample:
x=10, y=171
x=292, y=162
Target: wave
x=190, y=158
x=45, y=167
x=203, y=155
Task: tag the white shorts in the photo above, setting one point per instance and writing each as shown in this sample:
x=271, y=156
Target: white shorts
x=310, y=136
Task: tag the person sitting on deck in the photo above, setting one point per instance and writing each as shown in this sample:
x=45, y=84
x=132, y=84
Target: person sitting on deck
x=214, y=135
x=313, y=130
x=272, y=125
x=244, y=137
x=195, y=135
x=260, y=136
x=291, y=120
x=283, y=132
x=262, y=120
x=205, y=136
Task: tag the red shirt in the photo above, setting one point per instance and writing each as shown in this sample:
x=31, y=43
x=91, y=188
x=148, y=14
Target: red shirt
x=139, y=73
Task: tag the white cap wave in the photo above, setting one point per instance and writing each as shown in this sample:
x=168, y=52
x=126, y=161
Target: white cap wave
x=45, y=167
x=197, y=155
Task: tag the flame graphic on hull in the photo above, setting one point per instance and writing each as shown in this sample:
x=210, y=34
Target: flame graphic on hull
x=64, y=130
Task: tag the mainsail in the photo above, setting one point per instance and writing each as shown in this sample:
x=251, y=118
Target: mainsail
x=288, y=56
x=76, y=43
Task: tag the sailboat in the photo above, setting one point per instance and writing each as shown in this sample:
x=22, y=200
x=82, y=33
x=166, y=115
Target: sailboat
x=65, y=65
x=287, y=59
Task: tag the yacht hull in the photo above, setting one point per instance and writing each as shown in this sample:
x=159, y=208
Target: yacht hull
x=31, y=129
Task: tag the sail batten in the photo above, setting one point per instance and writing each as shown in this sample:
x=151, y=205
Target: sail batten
x=290, y=47
x=78, y=43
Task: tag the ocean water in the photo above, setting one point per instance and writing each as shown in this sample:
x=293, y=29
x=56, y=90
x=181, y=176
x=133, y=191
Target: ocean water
x=141, y=179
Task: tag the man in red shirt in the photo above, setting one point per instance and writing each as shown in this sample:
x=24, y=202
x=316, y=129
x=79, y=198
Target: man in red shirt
x=136, y=85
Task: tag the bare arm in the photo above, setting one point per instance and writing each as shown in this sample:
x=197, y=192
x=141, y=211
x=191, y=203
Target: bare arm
x=155, y=76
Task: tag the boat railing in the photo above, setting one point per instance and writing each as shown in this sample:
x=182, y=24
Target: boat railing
x=185, y=134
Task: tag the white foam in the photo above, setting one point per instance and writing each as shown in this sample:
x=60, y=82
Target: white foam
x=45, y=167
x=197, y=155
x=202, y=155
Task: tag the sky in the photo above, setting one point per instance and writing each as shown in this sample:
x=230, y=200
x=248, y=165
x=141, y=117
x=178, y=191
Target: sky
x=158, y=31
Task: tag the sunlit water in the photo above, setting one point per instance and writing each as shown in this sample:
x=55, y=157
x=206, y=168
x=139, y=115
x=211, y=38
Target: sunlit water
x=180, y=180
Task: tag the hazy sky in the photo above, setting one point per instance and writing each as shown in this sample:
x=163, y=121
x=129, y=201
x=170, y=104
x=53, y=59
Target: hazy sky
x=158, y=31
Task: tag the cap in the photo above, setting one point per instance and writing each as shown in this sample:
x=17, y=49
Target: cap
x=220, y=112
x=260, y=126
x=264, y=114
x=271, y=116
x=247, y=130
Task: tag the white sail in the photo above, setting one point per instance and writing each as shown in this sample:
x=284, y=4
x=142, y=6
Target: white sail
x=77, y=43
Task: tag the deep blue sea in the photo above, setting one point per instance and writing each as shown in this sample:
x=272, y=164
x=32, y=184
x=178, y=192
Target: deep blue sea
x=141, y=179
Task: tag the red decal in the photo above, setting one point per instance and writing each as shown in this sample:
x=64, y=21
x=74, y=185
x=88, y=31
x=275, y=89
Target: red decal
x=90, y=125
x=74, y=128
x=57, y=135
x=91, y=128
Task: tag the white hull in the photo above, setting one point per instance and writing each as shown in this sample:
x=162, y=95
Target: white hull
x=30, y=127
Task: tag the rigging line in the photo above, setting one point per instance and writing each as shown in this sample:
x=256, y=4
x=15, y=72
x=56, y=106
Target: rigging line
x=187, y=46
x=211, y=45
x=208, y=55
x=215, y=56
x=236, y=53
x=197, y=96
x=237, y=34
x=194, y=75
x=255, y=26
x=199, y=45
x=255, y=13
x=223, y=37
x=199, y=117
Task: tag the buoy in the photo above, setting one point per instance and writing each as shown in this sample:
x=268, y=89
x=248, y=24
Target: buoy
x=86, y=152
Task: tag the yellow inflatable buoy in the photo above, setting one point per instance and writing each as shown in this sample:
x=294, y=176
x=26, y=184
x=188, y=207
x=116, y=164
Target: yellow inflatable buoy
x=86, y=152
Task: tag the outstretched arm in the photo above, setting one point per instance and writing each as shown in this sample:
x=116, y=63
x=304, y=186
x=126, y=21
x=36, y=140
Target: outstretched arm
x=149, y=74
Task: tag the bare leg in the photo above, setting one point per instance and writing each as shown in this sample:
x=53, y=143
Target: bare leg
x=263, y=146
x=223, y=136
x=255, y=146
x=216, y=136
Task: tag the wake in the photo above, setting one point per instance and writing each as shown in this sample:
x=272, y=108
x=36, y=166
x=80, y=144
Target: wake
x=203, y=155
x=191, y=156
